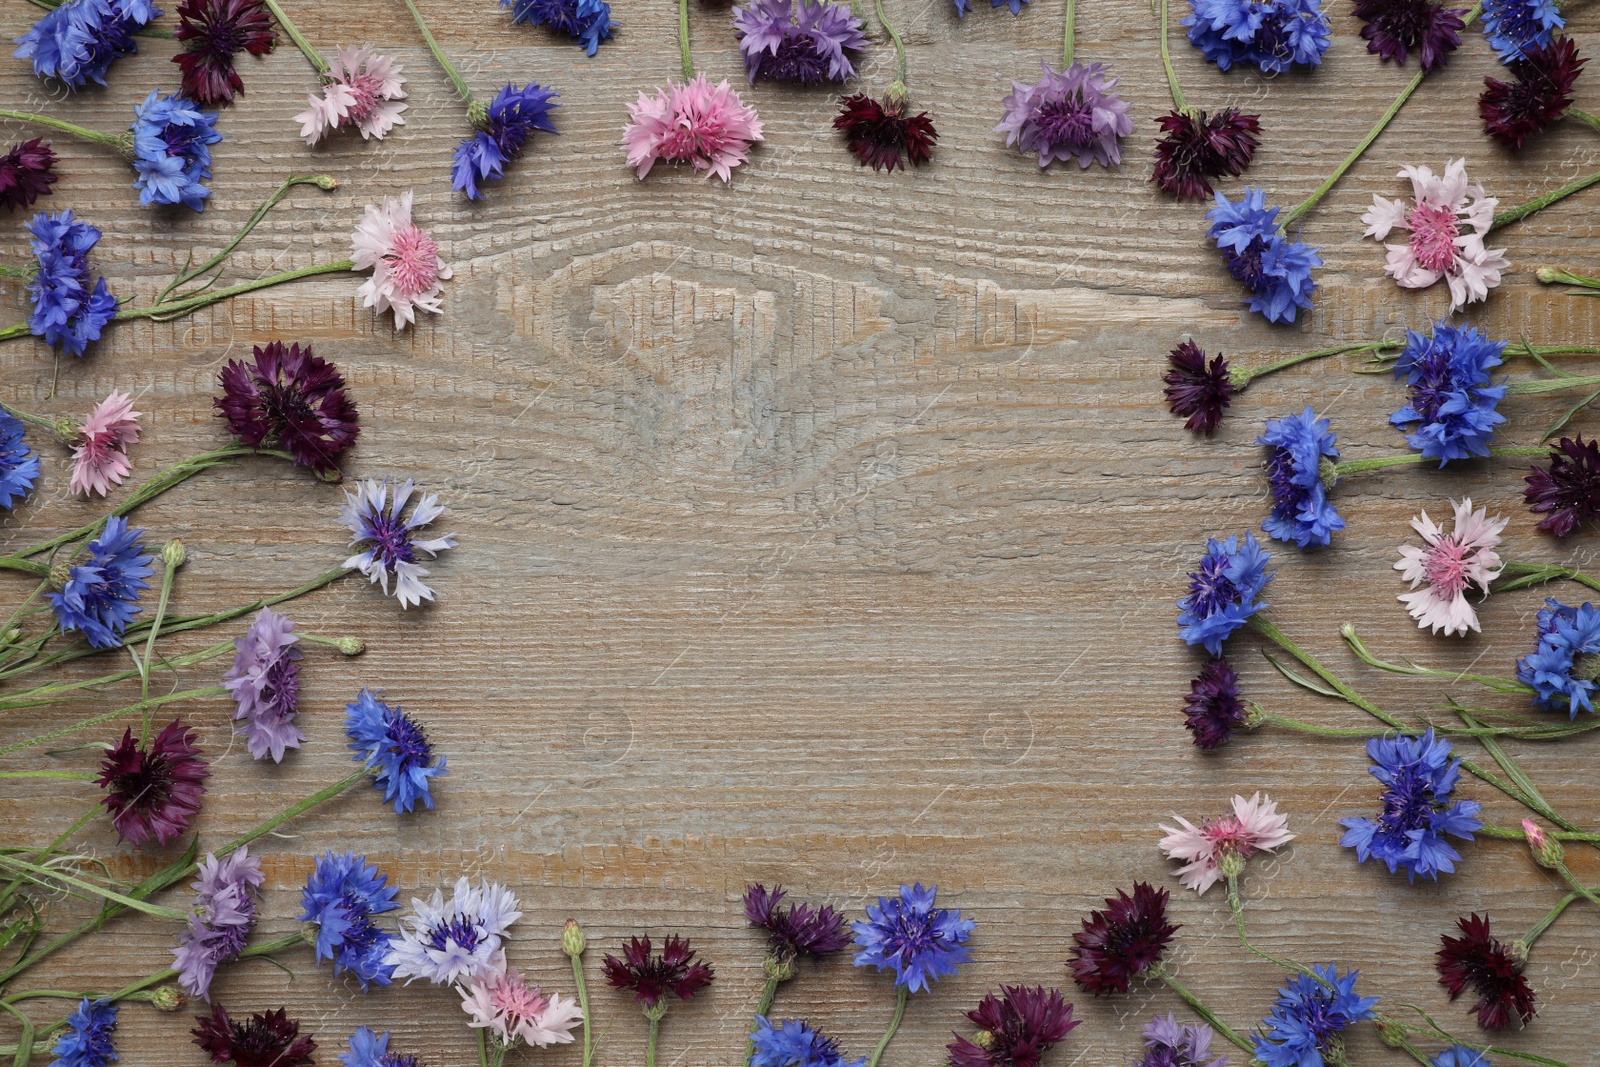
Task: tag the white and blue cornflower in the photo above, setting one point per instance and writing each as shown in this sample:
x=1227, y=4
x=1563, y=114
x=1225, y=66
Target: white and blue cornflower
x=445, y=943
x=375, y=521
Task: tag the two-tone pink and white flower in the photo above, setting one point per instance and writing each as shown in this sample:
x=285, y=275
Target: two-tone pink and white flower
x=404, y=260
x=499, y=999
x=708, y=127
x=1445, y=225
x=1254, y=826
x=1448, y=566
x=362, y=90
x=100, y=455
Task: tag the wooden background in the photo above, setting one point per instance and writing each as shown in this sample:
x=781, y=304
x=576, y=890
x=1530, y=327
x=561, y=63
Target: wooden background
x=824, y=528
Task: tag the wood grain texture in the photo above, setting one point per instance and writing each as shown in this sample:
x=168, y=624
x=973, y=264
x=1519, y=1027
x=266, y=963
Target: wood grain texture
x=823, y=528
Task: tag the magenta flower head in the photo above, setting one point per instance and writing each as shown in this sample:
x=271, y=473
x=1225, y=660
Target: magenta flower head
x=882, y=135
x=1198, y=148
x=797, y=930
x=1123, y=941
x=288, y=398
x=212, y=32
x=265, y=683
x=1014, y=1029
x=220, y=921
x=650, y=978
x=809, y=43
x=1074, y=114
x=1395, y=28
x=26, y=173
x=154, y=793
x=706, y=126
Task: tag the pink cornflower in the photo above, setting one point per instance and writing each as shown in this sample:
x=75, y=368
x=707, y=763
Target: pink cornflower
x=1437, y=246
x=499, y=999
x=1450, y=565
x=406, y=268
x=1254, y=826
x=362, y=89
x=709, y=128
x=100, y=456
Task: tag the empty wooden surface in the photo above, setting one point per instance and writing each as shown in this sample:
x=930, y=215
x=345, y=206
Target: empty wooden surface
x=822, y=529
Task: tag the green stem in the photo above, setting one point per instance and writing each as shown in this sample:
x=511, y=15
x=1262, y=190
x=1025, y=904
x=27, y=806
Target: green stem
x=11, y=563
x=1236, y=905
x=110, y=140
x=295, y=810
x=683, y=40
x=583, y=1006
x=1506, y=833
x=32, y=420
x=901, y=992
x=168, y=571
x=1365, y=655
x=650, y=1042
x=1526, y=942
x=1522, y=211
x=483, y=1045
x=900, y=68
x=1166, y=61
x=1584, y=116
x=1526, y=574
x=1540, y=386
x=48, y=694
x=1241, y=379
x=8, y=897
x=45, y=876
x=1277, y=637
x=1266, y=719
x=319, y=180
x=1404, y=459
x=1201, y=1010
x=763, y=1005
x=154, y=702
x=1557, y=276
x=1068, y=34
x=318, y=64
x=449, y=68
x=76, y=776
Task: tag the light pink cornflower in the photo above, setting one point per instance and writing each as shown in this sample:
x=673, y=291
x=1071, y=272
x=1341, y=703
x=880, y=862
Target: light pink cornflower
x=498, y=997
x=708, y=127
x=361, y=89
x=404, y=259
x=1254, y=826
x=1450, y=565
x=1446, y=224
x=100, y=456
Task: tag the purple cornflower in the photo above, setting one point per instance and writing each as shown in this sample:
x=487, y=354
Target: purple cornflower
x=1198, y=390
x=650, y=978
x=153, y=793
x=1395, y=28
x=586, y=21
x=224, y=910
x=1567, y=493
x=291, y=398
x=1223, y=591
x=340, y=897
x=375, y=520
x=797, y=930
x=1197, y=148
x=78, y=41
x=1121, y=942
x=908, y=935
x=395, y=748
x=1168, y=1044
x=1015, y=1029
x=1300, y=510
x=1213, y=711
x=806, y=44
x=1070, y=114
x=27, y=171
x=507, y=123
x=265, y=683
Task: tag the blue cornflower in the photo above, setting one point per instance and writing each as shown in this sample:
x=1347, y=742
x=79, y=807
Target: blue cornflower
x=368, y=1049
x=1300, y=509
x=1276, y=270
x=964, y=6
x=19, y=466
x=101, y=597
x=77, y=42
x=586, y=21
x=1306, y=1021
x=170, y=153
x=87, y=1039
x=1514, y=26
x=1461, y=1056
x=1223, y=591
x=1419, y=777
x=793, y=1043
x=508, y=121
x=389, y=741
x=1272, y=35
x=1448, y=380
x=921, y=943
x=67, y=310
x=341, y=896
x=1562, y=668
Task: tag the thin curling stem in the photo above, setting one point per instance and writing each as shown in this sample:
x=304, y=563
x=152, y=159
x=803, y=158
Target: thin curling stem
x=318, y=64
x=449, y=68
x=191, y=273
x=1236, y=905
x=1240, y=379
x=900, y=67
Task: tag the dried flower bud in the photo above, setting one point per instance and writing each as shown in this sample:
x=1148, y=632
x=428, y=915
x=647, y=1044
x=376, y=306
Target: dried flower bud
x=572, y=939
x=1391, y=1032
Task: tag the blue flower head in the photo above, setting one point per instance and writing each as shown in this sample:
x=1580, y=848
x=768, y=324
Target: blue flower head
x=509, y=120
x=1461, y=1056
x=78, y=41
x=1563, y=667
x=1308, y=1018
x=1271, y=35
x=1300, y=509
x=86, y=1042
x=1276, y=270
x=19, y=466
x=170, y=154
x=388, y=741
x=964, y=6
x=1223, y=591
x=101, y=596
x=586, y=21
x=795, y=1044
x=67, y=310
x=368, y=1049
x=341, y=896
x=1418, y=777
x=908, y=934
x=1514, y=26
x=1447, y=376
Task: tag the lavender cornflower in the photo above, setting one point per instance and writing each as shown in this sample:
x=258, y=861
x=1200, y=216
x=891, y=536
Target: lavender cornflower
x=265, y=683
x=340, y=897
x=1303, y=1027
x=1419, y=776
x=224, y=910
x=373, y=517
x=1074, y=114
x=508, y=122
x=86, y=1042
x=808, y=44
x=19, y=464
x=77, y=42
x=101, y=596
x=1015, y=1028
x=448, y=942
x=1223, y=591
x=586, y=21
x=1168, y=1044
x=67, y=310
x=171, y=153
x=1301, y=512
x=395, y=748
x=908, y=935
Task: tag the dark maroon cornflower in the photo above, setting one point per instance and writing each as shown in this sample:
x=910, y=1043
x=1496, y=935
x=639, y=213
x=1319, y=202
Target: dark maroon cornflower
x=26, y=174
x=265, y=1040
x=292, y=399
x=1197, y=389
x=1213, y=710
x=799, y=929
x=1015, y=1029
x=213, y=32
x=1477, y=960
x=1568, y=492
x=1120, y=943
x=154, y=792
x=1395, y=28
x=651, y=978
x=1198, y=148
x=1515, y=111
x=881, y=136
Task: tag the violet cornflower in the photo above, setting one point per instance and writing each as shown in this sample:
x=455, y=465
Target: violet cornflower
x=265, y=682
x=802, y=41
x=1073, y=114
x=220, y=920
